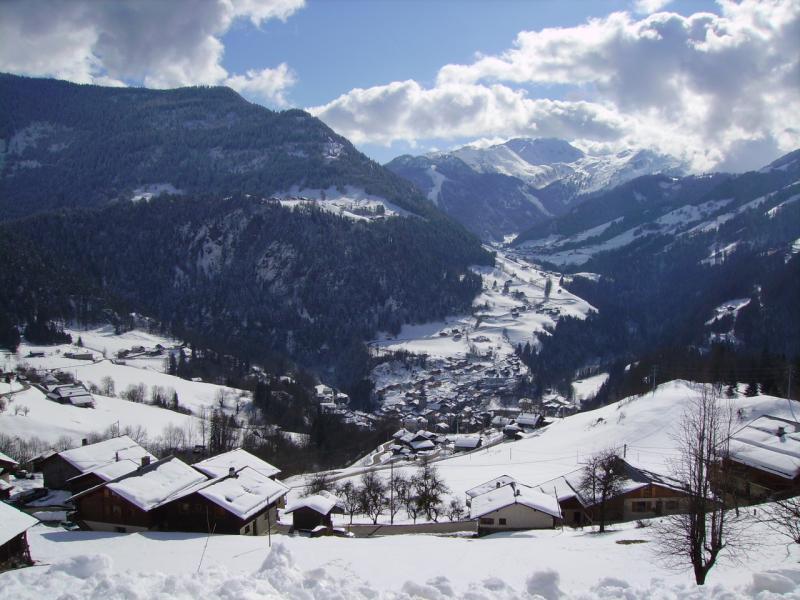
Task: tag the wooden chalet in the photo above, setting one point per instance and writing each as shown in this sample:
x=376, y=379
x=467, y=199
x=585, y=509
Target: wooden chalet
x=169, y=495
x=763, y=461
x=60, y=467
x=644, y=495
x=14, y=524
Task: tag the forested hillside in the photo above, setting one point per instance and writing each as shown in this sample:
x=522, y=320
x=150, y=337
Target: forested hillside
x=254, y=277
x=66, y=145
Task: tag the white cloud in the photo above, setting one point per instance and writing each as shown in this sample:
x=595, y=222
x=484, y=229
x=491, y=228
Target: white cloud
x=267, y=84
x=646, y=7
x=703, y=87
x=156, y=43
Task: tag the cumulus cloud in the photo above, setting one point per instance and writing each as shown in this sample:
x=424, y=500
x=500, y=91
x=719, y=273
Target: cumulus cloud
x=703, y=87
x=150, y=42
x=646, y=7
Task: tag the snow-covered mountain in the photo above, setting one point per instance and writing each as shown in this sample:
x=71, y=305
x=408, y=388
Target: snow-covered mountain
x=500, y=189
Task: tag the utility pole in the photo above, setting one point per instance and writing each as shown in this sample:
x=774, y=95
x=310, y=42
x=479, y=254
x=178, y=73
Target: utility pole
x=653, y=377
x=391, y=490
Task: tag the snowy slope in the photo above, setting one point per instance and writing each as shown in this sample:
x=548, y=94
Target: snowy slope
x=49, y=421
x=532, y=565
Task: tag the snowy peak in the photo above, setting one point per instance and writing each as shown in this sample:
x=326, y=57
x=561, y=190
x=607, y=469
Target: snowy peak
x=544, y=151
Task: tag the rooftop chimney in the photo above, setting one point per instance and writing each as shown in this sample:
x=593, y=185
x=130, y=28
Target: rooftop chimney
x=116, y=456
x=84, y=442
x=232, y=472
x=145, y=461
x=781, y=431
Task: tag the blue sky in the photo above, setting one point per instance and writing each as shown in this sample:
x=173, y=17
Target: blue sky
x=714, y=83
x=336, y=45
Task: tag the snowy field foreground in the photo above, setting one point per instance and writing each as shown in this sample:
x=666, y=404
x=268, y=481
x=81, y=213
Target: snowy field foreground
x=547, y=564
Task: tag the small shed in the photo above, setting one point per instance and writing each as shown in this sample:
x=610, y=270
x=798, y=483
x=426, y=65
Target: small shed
x=312, y=511
x=14, y=524
x=7, y=464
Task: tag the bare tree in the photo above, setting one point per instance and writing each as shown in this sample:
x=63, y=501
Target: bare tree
x=601, y=480
x=706, y=529
x=429, y=488
x=783, y=517
x=373, y=495
x=319, y=482
x=456, y=509
x=350, y=496
x=399, y=488
x=107, y=386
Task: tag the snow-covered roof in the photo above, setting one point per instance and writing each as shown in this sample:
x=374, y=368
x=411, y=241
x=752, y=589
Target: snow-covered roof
x=323, y=503
x=423, y=445
x=759, y=445
x=92, y=456
x=157, y=483
x=467, y=441
x=528, y=419
x=13, y=522
x=245, y=494
x=490, y=485
x=5, y=458
x=510, y=494
x=219, y=465
x=112, y=470
x=4, y=485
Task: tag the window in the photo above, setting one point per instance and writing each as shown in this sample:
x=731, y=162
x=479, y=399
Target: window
x=672, y=505
x=640, y=506
x=185, y=506
x=502, y=521
x=247, y=529
x=121, y=530
x=487, y=521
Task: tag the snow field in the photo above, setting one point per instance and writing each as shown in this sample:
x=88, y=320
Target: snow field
x=550, y=564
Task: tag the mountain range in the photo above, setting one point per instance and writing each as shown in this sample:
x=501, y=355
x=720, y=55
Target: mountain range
x=498, y=190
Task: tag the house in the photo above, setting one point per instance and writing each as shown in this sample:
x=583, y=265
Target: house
x=219, y=465
x=643, y=495
x=59, y=467
x=314, y=511
x=464, y=443
x=79, y=355
x=73, y=393
x=7, y=464
x=529, y=421
x=127, y=504
x=513, y=507
x=764, y=459
x=243, y=502
x=5, y=489
x=14, y=524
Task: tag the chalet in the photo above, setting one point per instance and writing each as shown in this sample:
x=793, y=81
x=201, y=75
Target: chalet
x=313, y=512
x=79, y=355
x=764, y=459
x=127, y=504
x=60, y=467
x=73, y=393
x=643, y=495
x=14, y=524
x=243, y=501
x=513, y=507
x=529, y=421
x=7, y=464
x=464, y=443
x=5, y=489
